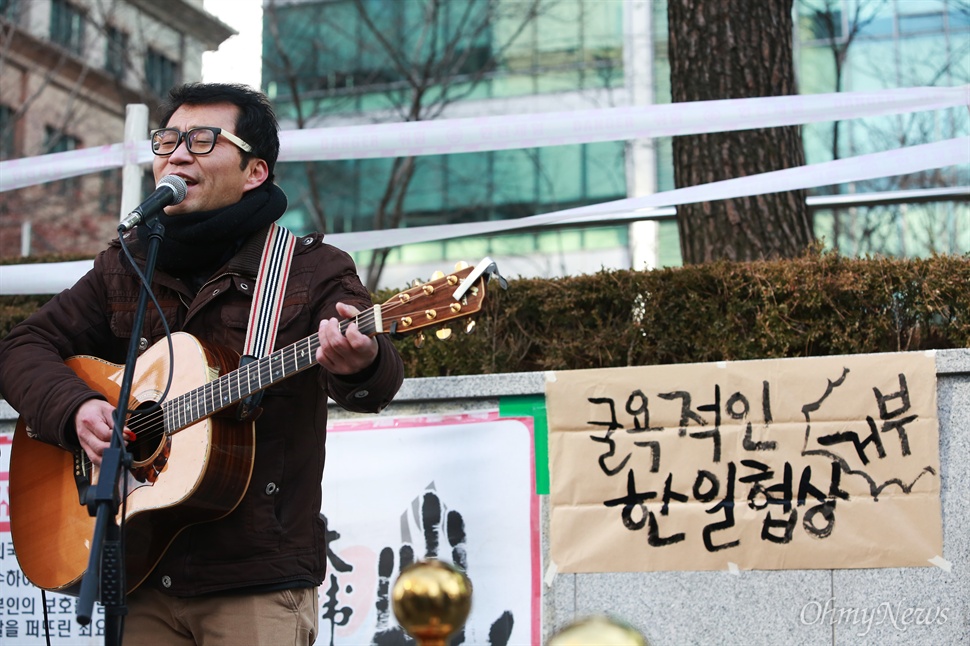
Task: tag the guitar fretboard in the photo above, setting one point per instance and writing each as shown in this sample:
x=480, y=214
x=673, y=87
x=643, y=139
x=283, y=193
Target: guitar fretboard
x=231, y=388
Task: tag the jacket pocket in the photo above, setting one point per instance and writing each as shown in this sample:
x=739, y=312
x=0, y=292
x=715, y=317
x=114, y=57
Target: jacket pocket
x=253, y=529
x=122, y=321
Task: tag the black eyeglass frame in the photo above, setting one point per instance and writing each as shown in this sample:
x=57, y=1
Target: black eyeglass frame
x=187, y=138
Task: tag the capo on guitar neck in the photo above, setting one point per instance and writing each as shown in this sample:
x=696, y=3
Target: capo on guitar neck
x=487, y=268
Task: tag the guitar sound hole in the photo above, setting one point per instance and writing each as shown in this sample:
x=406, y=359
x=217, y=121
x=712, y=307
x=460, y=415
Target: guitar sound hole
x=150, y=448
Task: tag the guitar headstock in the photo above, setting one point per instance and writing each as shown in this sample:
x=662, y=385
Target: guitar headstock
x=444, y=298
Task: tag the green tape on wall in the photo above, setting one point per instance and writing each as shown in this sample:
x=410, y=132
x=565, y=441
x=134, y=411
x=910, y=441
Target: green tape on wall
x=533, y=406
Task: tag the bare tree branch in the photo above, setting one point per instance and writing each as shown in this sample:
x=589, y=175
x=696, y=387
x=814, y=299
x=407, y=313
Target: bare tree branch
x=421, y=73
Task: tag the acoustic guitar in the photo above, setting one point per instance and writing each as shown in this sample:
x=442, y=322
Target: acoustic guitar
x=189, y=465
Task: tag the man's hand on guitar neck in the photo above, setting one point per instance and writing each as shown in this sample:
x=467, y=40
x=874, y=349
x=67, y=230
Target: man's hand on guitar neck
x=344, y=353
x=94, y=422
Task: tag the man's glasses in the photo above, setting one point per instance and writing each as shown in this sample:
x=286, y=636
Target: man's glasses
x=199, y=141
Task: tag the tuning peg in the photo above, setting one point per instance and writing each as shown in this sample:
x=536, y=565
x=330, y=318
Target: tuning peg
x=461, y=264
x=443, y=334
x=437, y=275
x=470, y=327
x=419, y=340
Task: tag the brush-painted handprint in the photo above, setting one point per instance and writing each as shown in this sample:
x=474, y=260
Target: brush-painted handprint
x=440, y=532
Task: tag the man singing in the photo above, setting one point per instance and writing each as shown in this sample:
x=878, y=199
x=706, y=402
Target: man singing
x=251, y=576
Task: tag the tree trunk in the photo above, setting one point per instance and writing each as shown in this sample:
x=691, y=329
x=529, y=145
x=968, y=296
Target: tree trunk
x=731, y=49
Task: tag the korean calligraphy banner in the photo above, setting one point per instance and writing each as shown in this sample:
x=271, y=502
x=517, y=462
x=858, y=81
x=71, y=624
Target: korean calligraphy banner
x=460, y=488
x=822, y=462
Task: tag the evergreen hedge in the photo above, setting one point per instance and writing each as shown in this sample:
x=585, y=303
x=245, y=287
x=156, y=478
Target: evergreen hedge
x=820, y=304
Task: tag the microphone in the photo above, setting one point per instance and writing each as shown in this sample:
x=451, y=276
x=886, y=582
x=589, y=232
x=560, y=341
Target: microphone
x=170, y=190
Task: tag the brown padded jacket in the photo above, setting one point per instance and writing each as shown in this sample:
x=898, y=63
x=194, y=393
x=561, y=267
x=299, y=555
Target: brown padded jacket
x=275, y=537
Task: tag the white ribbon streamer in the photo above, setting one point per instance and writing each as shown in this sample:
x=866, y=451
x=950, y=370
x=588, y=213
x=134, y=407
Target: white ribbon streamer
x=41, y=278
x=53, y=277
x=525, y=130
x=913, y=159
x=605, y=124
x=28, y=171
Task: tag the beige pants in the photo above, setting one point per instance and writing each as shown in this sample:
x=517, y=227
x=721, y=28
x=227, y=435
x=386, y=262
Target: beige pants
x=270, y=619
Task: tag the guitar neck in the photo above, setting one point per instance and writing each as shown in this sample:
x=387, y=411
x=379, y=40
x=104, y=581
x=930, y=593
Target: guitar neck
x=449, y=297
x=235, y=386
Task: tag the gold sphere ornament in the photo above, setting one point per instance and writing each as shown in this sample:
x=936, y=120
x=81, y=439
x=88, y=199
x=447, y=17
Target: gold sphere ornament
x=601, y=631
x=431, y=600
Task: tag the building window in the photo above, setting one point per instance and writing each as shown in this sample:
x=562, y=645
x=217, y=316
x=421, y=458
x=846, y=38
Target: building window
x=160, y=71
x=109, y=197
x=115, y=55
x=6, y=132
x=494, y=48
x=9, y=9
x=58, y=141
x=67, y=26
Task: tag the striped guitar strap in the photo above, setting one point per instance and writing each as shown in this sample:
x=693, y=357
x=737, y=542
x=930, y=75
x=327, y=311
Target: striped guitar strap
x=264, y=317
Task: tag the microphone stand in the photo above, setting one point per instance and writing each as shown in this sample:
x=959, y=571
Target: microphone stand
x=106, y=564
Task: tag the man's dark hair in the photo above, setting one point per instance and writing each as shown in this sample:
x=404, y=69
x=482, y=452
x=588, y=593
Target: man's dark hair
x=256, y=124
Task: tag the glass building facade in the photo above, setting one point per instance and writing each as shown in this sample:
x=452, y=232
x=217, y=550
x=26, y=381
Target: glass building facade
x=326, y=62
x=887, y=44
x=493, y=52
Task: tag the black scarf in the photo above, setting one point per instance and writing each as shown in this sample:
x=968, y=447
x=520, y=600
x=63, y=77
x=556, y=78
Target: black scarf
x=196, y=244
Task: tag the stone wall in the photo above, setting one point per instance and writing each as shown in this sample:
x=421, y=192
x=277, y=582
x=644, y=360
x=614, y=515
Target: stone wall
x=753, y=606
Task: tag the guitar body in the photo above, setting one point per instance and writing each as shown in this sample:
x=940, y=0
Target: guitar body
x=178, y=479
